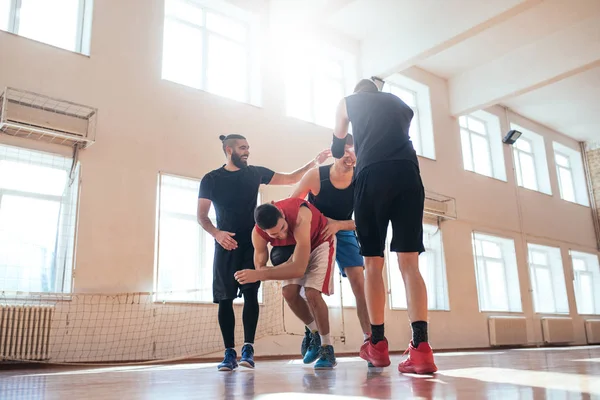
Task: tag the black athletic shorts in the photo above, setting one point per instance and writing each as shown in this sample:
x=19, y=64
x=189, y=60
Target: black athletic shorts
x=389, y=191
x=226, y=263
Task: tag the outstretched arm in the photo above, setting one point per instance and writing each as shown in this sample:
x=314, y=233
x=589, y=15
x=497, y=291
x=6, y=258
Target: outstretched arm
x=342, y=123
x=292, y=178
x=310, y=183
x=261, y=251
x=296, y=267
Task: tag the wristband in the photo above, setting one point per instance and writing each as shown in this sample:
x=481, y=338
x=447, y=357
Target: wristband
x=338, y=147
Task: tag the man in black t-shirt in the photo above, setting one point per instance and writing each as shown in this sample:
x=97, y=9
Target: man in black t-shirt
x=388, y=189
x=233, y=190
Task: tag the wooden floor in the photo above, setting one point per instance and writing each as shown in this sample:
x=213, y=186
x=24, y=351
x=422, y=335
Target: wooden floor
x=544, y=373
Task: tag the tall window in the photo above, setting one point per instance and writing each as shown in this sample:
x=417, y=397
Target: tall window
x=570, y=174
x=65, y=24
x=525, y=164
x=38, y=212
x=416, y=96
x=432, y=267
x=586, y=282
x=208, y=50
x=497, y=273
x=547, y=279
x=314, y=84
x=531, y=164
x=480, y=140
x=410, y=98
x=185, y=250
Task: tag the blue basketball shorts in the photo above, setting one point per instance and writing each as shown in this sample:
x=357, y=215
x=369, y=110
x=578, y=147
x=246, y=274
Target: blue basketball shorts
x=347, y=251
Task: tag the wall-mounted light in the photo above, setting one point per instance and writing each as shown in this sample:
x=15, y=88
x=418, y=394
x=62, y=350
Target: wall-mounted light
x=512, y=136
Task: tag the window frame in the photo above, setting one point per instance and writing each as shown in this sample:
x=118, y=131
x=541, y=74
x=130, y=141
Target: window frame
x=595, y=278
x=569, y=169
x=555, y=280
x=64, y=270
x=204, y=238
x=83, y=24
x=248, y=46
x=486, y=137
x=519, y=166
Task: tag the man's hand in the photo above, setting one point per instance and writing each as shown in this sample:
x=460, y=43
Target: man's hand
x=225, y=239
x=322, y=156
x=247, y=276
x=331, y=229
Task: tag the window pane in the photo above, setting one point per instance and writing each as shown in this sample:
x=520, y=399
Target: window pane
x=27, y=253
x=4, y=14
x=32, y=178
x=561, y=160
x=465, y=142
x=226, y=26
x=477, y=126
x=491, y=250
x=539, y=258
x=406, y=96
x=579, y=264
x=544, y=293
x=586, y=294
x=463, y=122
x=227, y=68
x=528, y=171
x=481, y=154
x=182, y=54
x=298, y=89
x=566, y=184
x=185, y=11
x=523, y=145
x=329, y=68
x=328, y=93
x=52, y=22
x=496, y=283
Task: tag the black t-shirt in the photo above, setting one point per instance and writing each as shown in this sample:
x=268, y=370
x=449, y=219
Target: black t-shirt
x=234, y=194
x=380, y=124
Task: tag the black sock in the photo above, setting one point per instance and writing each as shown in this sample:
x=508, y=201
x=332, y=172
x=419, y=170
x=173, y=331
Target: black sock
x=250, y=314
x=419, y=332
x=227, y=323
x=377, y=333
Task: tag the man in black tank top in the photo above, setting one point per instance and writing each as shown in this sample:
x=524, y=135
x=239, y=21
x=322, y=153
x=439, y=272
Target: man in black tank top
x=388, y=189
x=330, y=189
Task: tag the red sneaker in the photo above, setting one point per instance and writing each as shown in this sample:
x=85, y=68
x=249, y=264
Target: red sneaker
x=419, y=361
x=376, y=354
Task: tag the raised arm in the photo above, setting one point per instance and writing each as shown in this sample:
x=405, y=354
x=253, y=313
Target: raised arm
x=261, y=251
x=310, y=183
x=342, y=123
x=292, y=178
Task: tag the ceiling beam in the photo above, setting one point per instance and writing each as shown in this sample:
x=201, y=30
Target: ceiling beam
x=381, y=57
x=558, y=56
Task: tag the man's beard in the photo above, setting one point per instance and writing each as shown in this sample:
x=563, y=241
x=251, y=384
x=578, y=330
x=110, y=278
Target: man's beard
x=237, y=161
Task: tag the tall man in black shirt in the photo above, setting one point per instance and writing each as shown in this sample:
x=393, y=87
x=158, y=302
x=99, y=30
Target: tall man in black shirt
x=233, y=189
x=388, y=188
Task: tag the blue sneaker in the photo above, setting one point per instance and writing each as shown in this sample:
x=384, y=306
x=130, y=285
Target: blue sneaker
x=247, y=359
x=230, y=361
x=326, y=358
x=312, y=353
x=305, y=342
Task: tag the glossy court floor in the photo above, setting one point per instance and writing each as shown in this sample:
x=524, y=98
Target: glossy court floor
x=538, y=373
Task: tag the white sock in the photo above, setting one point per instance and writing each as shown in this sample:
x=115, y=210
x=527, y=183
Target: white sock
x=251, y=344
x=325, y=340
x=313, y=326
x=365, y=336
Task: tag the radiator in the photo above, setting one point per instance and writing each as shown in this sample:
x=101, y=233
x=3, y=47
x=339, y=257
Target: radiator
x=557, y=330
x=25, y=332
x=507, y=331
x=592, y=331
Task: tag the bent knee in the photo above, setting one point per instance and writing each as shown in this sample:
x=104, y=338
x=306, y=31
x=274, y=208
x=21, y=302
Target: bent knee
x=312, y=295
x=291, y=292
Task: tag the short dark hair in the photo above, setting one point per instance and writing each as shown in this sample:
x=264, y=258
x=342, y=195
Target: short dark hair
x=229, y=140
x=266, y=216
x=365, y=85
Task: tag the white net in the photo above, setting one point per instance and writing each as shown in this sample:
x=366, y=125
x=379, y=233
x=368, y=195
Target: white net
x=117, y=328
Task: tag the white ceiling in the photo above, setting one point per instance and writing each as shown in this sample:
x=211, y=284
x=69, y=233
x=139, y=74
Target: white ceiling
x=541, y=58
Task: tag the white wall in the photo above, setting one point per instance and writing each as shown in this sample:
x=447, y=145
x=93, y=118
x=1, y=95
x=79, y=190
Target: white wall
x=147, y=125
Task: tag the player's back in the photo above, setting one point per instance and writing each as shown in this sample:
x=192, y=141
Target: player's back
x=380, y=125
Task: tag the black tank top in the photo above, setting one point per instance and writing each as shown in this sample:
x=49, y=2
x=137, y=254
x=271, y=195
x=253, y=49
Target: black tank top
x=380, y=124
x=334, y=203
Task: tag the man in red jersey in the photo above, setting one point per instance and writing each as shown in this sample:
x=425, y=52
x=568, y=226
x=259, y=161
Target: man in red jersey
x=303, y=259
